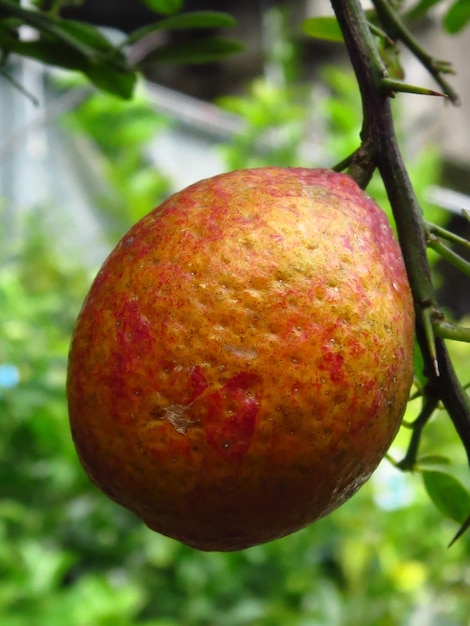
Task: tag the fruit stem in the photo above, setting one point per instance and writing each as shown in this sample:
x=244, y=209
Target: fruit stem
x=380, y=143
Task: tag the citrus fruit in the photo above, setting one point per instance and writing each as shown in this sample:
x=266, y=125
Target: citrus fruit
x=243, y=359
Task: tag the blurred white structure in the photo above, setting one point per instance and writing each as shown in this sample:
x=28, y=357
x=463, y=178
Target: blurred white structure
x=45, y=168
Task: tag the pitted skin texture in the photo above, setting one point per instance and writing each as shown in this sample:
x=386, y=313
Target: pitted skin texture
x=243, y=359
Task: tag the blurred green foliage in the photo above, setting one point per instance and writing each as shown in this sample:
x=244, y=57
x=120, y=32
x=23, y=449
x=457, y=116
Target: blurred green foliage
x=70, y=556
x=82, y=47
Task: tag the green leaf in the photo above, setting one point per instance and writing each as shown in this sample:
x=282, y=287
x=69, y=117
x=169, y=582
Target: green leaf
x=105, y=76
x=434, y=459
x=420, y=9
x=46, y=26
x=197, y=19
x=326, y=28
x=448, y=494
x=86, y=34
x=431, y=461
x=457, y=16
x=51, y=53
x=8, y=35
x=101, y=50
x=113, y=81
x=204, y=51
x=164, y=6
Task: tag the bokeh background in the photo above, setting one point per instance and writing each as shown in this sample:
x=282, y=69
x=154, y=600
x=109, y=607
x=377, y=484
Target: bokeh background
x=76, y=170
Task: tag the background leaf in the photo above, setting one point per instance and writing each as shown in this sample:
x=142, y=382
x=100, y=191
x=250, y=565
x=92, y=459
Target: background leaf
x=432, y=460
x=204, y=51
x=196, y=19
x=86, y=34
x=326, y=28
x=457, y=17
x=448, y=494
x=420, y=9
x=164, y=6
x=114, y=80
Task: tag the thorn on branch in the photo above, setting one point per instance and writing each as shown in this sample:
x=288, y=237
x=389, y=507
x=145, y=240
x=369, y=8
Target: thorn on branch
x=394, y=86
x=465, y=526
x=378, y=32
x=442, y=67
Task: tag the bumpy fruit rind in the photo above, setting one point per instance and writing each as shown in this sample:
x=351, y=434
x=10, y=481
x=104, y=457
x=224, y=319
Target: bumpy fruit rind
x=243, y=359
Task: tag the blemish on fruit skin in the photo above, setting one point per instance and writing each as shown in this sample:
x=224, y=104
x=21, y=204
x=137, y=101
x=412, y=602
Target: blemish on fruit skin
x=175, y=414
x=198, y=383
x=296, y=387
x=332, y=362
x=131, y=325
x=242, y=353
x=239, y=399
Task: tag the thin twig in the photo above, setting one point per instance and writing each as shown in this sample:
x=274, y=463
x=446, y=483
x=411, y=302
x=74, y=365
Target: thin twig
x=443, y=233
x=446, y=330
x=449, y=255
x=409, y=460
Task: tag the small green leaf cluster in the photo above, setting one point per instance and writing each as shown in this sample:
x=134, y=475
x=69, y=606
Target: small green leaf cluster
x=77, y=46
